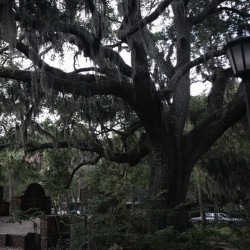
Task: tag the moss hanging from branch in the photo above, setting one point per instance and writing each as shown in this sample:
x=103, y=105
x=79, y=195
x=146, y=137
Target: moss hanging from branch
x=7, y=23
x=46, y=84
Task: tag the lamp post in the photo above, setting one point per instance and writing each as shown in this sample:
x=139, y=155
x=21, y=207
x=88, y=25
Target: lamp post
x=238, y=53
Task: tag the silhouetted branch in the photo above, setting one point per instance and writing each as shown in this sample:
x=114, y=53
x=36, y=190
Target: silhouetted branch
x=85, y=162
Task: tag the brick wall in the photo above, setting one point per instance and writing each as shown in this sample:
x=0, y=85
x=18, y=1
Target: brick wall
x=31, y=241
x=54, y=230
x=4, y=208
x=2, y=240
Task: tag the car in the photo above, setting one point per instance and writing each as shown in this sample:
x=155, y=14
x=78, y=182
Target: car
x=221, y=218
x=75, y=208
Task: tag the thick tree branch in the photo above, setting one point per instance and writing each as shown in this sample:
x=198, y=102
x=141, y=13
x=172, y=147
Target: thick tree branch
x=98, y=21
x=202, y=137
x=22, y=130
x=85, y=162
x=165, y=66
x=123, y=34
x=81, y=85
x=6, y=145
x=220, y=79
x=145, y=92
x=131, y=157
x=86, y=70
x=181, y=93
x=21, y=75
x=116, y=59
x=233, y=10
x=208, y=10
x=97, y=54
x=2, y=50
x=42, y=131
x=78, y=144
x=186, y=67
x=89, y=43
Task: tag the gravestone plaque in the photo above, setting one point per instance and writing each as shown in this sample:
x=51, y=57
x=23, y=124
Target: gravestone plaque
x=88, y=194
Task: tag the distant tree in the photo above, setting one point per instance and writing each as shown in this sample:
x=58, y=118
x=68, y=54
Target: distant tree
x=171, y=44
x=16, y=174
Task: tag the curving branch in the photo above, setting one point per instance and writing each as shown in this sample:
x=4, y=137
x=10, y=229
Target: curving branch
x=83, y=163
x=98, y=53
x=165, y=66
x=220, y=80
x=131, y=157
x=6, y=145
x=98, y=21
x=86, y=70
x=45, y=51
x=104, y=52
x=42, y=131
x=233, y=10
x=22, y=130
x=83, y=39
x=2, y=50
x=116, y=59
x=203, y=136
x=123, y=34
x=79, y=85
x=208, y=10
x=184, y=69
x=22, y=75
x=78, y=144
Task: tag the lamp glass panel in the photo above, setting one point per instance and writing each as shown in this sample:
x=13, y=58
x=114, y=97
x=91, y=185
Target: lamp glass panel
x=229, y=55
x=237, y=54
x=247, y=54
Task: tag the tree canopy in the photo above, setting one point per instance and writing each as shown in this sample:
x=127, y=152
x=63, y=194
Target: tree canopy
x=110, y=108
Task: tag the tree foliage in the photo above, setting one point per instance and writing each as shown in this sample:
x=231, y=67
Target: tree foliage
x=227, y=165
x=143, y=104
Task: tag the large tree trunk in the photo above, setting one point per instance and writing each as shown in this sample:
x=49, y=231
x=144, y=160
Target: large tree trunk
x=169, y=173
x=169, y=180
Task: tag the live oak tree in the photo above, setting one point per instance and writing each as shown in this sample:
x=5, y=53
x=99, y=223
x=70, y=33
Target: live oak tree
x=144, y=104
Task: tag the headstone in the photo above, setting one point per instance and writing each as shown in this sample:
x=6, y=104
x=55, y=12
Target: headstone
x=35, y=198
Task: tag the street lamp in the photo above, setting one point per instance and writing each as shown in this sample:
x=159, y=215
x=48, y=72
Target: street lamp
x=238, y=53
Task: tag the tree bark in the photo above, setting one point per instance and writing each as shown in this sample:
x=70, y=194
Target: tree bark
x=168, y=184
x=11, y=188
